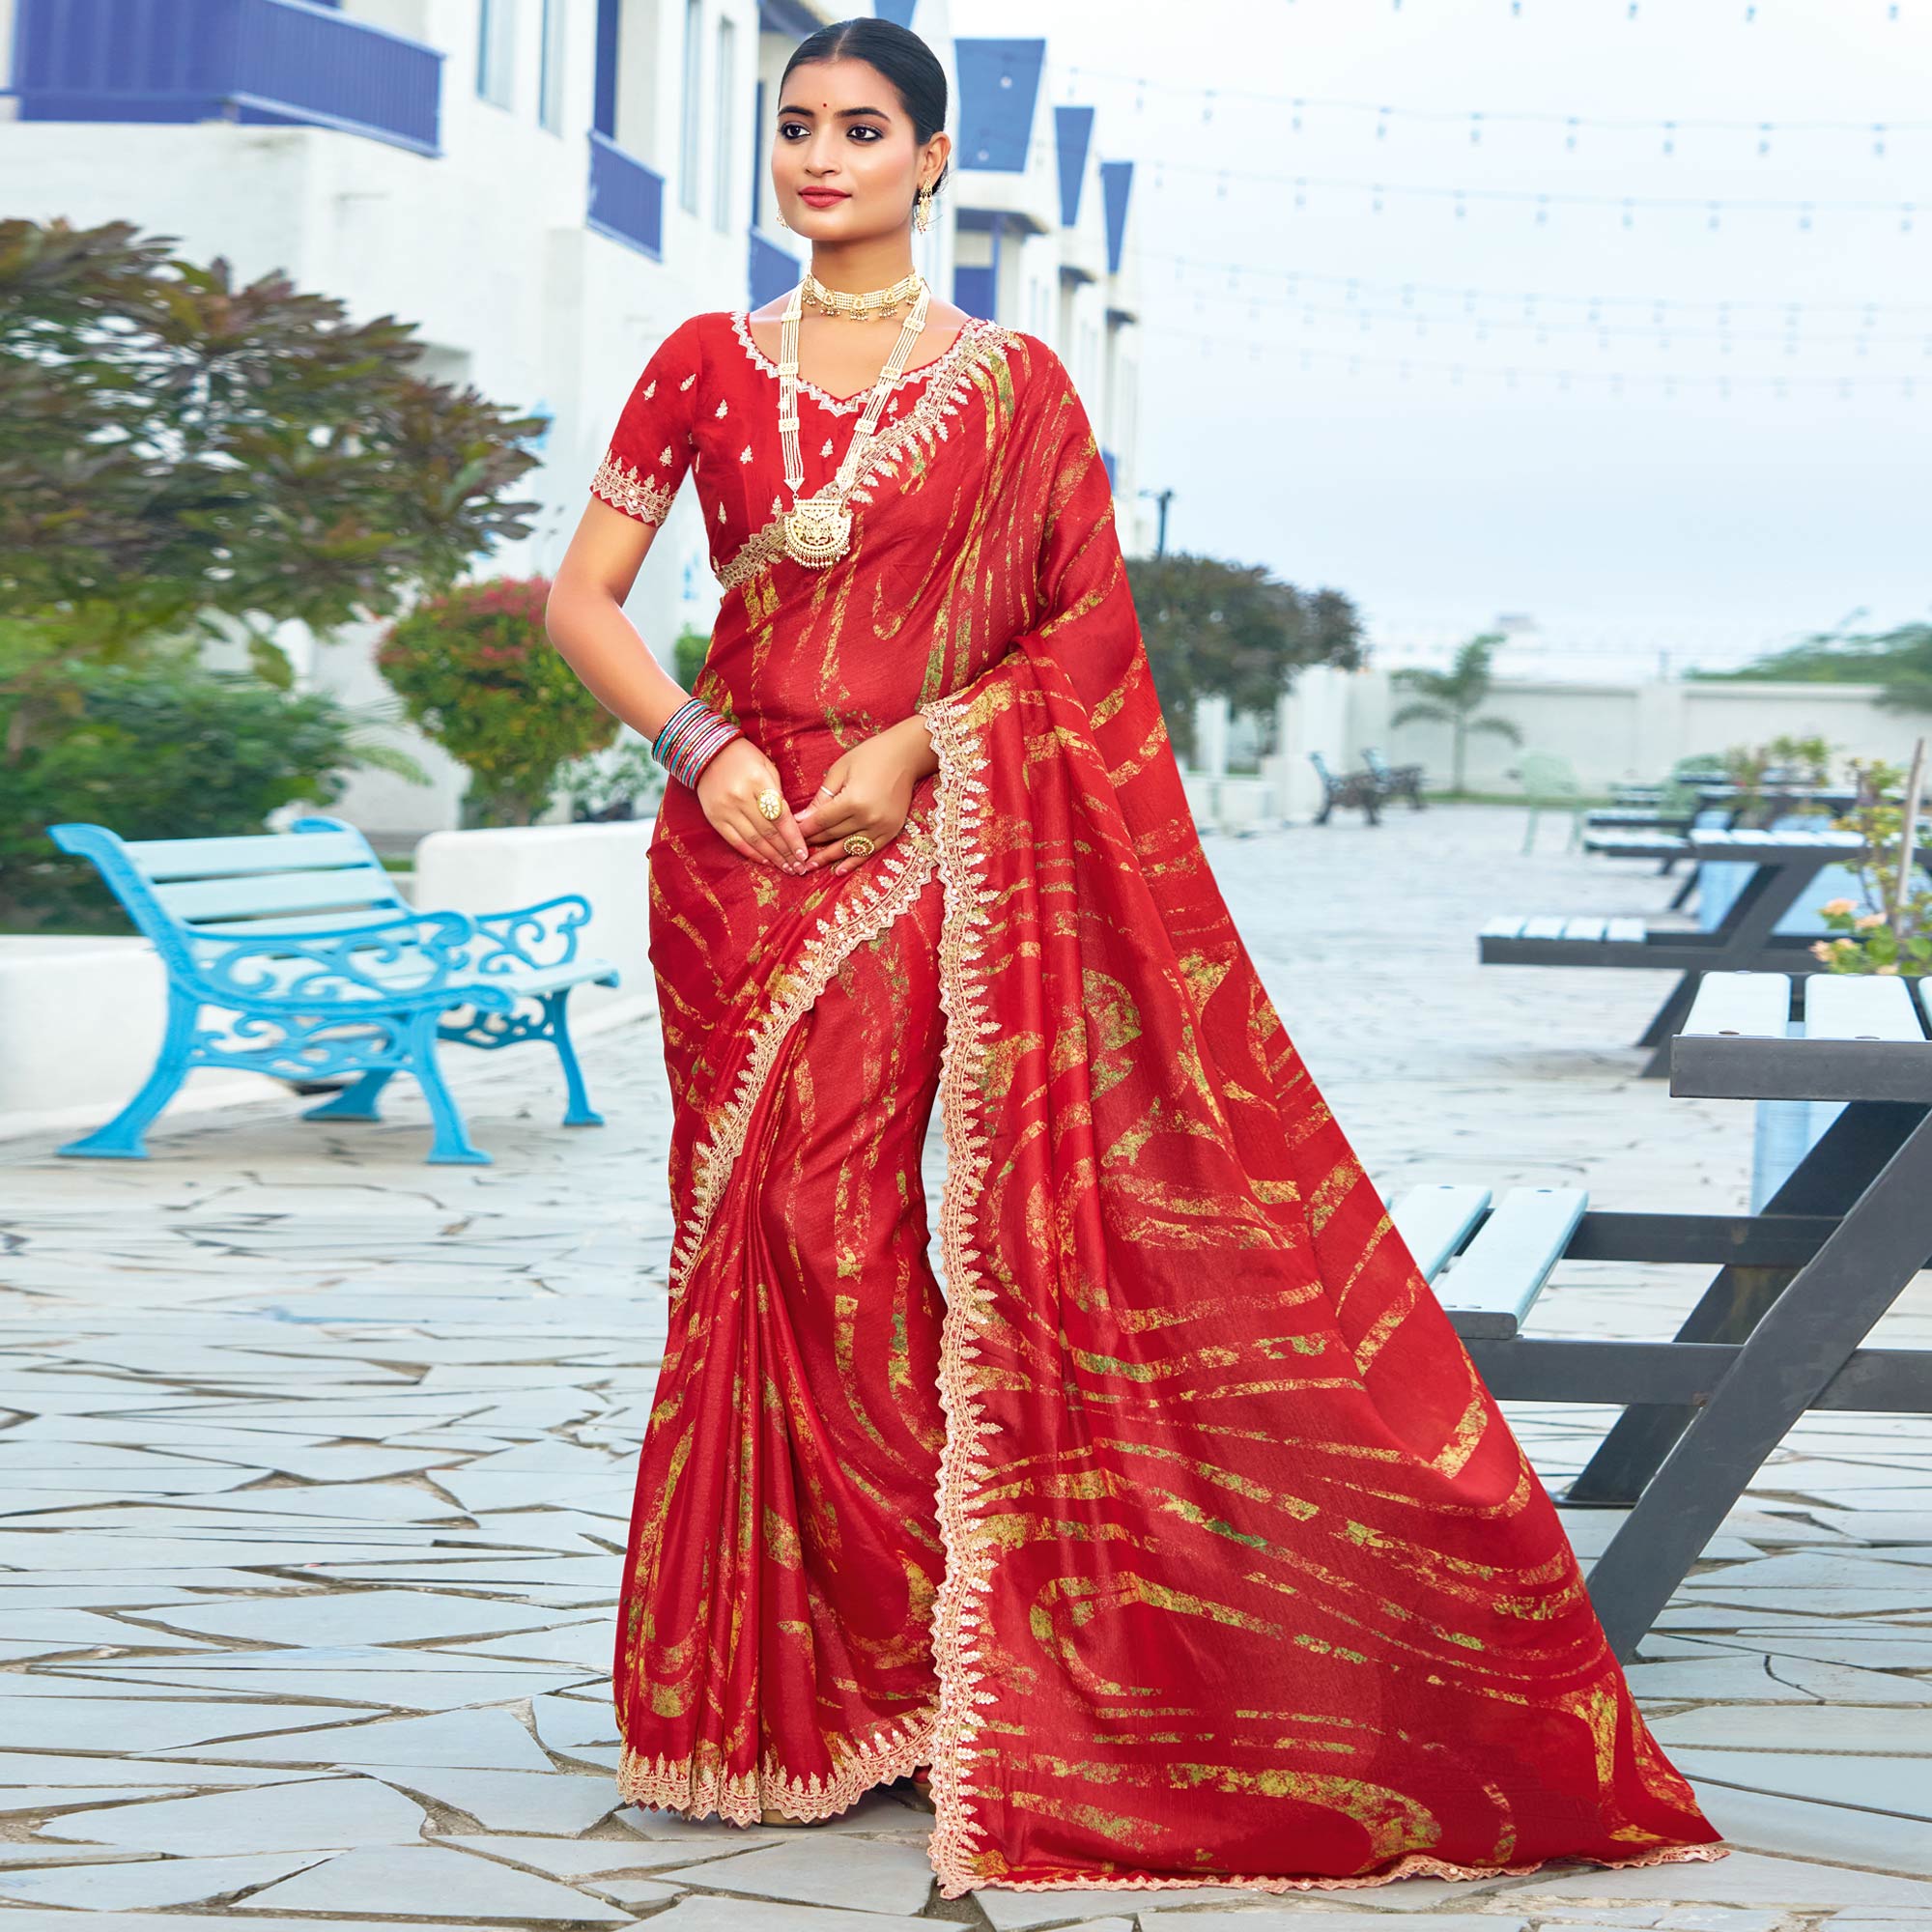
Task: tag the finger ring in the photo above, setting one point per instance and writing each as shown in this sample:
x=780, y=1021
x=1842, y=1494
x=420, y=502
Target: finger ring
x=770, y=802
x=858, y=846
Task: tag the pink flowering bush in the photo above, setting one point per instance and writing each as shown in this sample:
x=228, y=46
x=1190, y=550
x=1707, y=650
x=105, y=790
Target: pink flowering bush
x=475, y=672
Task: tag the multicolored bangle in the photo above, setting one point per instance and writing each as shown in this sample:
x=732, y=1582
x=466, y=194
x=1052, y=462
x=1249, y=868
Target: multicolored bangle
x=692, y=737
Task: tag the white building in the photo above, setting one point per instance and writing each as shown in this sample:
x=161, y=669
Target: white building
x=546, y=187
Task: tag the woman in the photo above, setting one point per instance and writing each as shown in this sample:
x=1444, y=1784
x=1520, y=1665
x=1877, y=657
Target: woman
x=1234, y=1572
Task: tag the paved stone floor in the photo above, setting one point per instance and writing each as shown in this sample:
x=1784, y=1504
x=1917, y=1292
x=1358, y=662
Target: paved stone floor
x=315, y=1462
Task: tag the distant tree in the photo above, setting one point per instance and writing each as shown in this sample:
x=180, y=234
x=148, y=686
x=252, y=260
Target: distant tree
x=1454, y=698
x=1899, y=660
x=1234, y=630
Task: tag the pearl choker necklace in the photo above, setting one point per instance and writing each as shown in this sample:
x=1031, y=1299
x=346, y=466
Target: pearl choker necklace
x=864, y=305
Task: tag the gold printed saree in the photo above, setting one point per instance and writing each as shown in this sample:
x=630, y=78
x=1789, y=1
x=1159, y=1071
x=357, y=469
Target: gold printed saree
x=1178, y=1536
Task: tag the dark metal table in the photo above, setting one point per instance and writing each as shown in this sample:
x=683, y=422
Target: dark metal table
x=1786, y=865
x=1779, y=1330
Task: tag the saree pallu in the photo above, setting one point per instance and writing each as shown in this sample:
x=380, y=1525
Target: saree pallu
x=1182, y=1541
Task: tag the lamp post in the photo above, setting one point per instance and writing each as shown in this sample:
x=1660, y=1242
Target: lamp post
x=1163, y=498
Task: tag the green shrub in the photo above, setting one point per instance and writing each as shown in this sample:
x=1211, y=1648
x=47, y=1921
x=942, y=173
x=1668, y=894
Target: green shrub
x=688, y=653
x=161, y=748
x=477, y=673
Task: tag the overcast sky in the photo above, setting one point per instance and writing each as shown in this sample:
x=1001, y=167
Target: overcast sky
x=1370, y=439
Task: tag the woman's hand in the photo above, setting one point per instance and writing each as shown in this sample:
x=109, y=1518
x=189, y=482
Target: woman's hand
x=728, y=794
x=867, y=790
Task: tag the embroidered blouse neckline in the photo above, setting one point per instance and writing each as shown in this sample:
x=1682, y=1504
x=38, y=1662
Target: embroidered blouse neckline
x=847, y=405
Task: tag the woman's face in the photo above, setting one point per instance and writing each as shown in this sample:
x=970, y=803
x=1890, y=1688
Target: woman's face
x=846, y=160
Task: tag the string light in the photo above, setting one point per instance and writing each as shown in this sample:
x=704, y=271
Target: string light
x=1542, y=200
x=1385, y=114
x=1901, y=387
x=1721, y=306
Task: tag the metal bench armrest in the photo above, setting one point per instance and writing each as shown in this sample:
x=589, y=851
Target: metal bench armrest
x=539, y=936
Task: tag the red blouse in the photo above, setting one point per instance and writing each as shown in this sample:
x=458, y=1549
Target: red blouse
x=708, y=402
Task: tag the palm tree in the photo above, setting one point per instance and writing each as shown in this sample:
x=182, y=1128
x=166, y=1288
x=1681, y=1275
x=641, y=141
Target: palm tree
x=1453, y=698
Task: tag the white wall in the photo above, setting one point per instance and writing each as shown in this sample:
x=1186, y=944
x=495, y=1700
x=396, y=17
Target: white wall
x=1609, y=733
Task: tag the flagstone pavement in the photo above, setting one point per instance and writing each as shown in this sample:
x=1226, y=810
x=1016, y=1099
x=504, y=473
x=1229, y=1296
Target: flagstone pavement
x=315, y=1462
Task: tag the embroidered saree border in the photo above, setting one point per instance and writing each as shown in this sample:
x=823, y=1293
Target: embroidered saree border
x=740, y=1798
x=857, y=914
x=954, y=1847
x=1415, y=1865
x=962, y=1469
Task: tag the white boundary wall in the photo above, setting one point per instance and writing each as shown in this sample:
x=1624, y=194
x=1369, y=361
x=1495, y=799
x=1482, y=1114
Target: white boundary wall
x=1607, y=732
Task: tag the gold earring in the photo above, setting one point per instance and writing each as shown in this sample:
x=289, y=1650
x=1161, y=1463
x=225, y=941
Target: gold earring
x=778, y=215
x=921, y=208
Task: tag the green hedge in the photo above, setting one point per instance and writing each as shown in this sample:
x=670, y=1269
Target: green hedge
x=163, y=748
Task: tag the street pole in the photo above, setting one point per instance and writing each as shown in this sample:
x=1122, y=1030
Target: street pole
x=1163, y=498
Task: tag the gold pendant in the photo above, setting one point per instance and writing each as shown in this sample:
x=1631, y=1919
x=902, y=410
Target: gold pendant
x=817, y=532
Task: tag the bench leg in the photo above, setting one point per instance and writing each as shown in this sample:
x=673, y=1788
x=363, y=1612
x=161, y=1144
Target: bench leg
x=1800, y=1341
x=1827, y=1181
x=578, y=1111
x=357, y=1102
x=451, y=1144
x=120, y=1139
x=1686, y=887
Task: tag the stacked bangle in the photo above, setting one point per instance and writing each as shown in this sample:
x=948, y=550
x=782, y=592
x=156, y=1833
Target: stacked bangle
x=692, y=737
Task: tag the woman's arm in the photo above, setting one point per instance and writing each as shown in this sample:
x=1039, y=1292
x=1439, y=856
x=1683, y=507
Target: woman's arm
x=585, y=620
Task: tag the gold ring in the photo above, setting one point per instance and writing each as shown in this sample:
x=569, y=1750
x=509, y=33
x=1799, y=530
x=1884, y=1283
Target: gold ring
x=770, y=802
x=858, y=846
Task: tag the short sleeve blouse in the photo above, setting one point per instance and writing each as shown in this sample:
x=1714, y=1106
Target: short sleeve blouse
x=650, y=448
x=706, y=404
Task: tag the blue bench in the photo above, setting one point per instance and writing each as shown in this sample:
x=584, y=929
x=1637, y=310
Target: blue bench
x=292, y=954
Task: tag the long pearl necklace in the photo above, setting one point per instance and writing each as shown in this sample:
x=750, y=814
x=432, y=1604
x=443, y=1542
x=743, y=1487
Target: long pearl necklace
x=818, y=529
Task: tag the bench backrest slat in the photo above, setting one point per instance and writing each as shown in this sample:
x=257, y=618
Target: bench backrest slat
x=356, y=889
x=295, y=927
x=325, y=875
x=247, y=852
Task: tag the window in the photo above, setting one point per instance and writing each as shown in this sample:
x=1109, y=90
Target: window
x=687, y=141
x=549, y=86
x=723, y=136
x=496, y=50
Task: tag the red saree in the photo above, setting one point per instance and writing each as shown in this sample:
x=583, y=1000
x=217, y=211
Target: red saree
x=1181, y=1538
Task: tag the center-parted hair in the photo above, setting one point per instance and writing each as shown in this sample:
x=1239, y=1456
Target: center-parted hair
x=898, y=54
